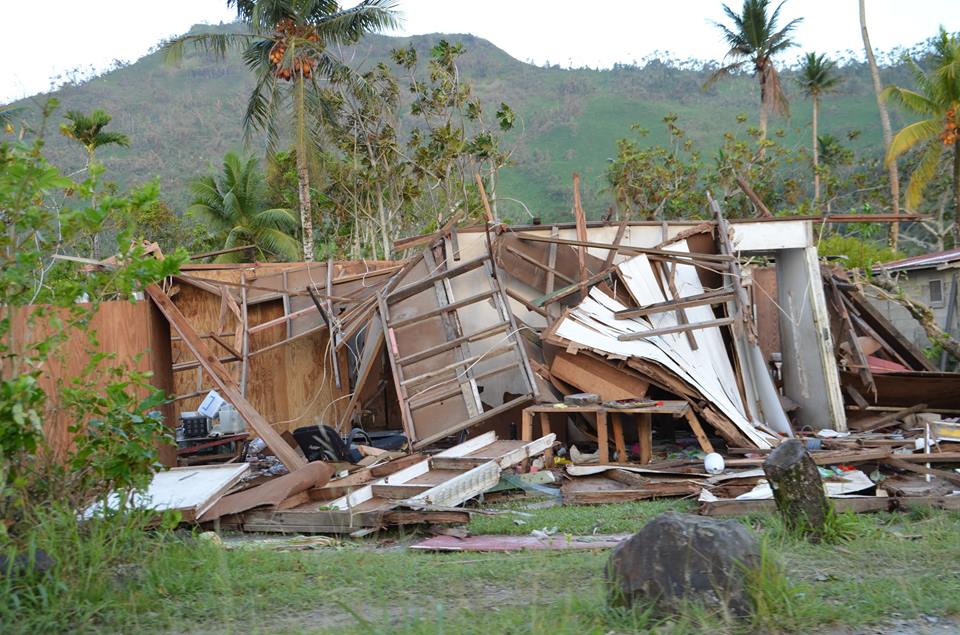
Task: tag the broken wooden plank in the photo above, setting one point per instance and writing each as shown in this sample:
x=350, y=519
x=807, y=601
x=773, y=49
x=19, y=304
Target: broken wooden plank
x=950, y=477
x=711, y=297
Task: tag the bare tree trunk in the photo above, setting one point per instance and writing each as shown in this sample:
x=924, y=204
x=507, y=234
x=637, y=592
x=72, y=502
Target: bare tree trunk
x=384, y=225
x=493, y=189
x=816, y=153
x=764, y=114
x=303, y=174
x=884, y=124
x=797, y=488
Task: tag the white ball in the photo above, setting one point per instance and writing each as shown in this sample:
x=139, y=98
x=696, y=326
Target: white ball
x=713, y=463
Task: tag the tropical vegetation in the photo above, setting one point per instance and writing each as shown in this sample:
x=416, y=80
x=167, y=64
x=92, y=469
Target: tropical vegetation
x=817, y=77
x=936, y=98
x=232, y=205
x=754, y=39
x=287, y=49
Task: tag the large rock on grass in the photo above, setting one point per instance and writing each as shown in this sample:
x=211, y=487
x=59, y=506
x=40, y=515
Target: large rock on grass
x=678, y=559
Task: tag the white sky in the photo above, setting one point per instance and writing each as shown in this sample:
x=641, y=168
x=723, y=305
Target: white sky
x=93, y=33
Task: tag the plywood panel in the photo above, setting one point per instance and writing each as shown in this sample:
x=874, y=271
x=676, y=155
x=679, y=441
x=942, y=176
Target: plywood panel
x=135, y=333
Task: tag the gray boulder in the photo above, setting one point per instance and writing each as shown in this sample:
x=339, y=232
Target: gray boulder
x=678, y=559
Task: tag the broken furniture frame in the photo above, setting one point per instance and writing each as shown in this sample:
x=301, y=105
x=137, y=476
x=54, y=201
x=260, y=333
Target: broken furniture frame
x=602, y=413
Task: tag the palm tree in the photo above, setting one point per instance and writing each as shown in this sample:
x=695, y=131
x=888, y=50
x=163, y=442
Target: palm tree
x=88, y=131
x=286, y=48
x=754, y=40
x=232, y=203
x=817, y=77
x=937, y=98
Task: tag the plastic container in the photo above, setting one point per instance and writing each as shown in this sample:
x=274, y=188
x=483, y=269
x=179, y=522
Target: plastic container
x=230, y=421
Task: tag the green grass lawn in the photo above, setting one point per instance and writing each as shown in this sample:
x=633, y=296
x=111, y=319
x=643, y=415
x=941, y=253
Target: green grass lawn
x=897, y=566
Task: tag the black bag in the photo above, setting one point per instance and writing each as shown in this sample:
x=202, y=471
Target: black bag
x=322, y=443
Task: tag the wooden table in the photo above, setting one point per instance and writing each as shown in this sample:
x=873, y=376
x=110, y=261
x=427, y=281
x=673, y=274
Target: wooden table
x=645, y=429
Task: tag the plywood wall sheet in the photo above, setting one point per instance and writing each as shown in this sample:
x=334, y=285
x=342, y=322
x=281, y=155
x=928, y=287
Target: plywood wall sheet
x=135, y=333
x=764, y=299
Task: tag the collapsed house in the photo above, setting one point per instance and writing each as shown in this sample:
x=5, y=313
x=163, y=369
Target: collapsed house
x=624, y=351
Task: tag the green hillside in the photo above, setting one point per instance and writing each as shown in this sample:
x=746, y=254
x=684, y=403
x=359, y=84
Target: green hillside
x=182, y=120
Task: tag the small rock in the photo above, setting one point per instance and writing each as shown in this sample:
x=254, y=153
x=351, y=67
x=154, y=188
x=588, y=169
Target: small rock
x=678, y=558
x=22, y=564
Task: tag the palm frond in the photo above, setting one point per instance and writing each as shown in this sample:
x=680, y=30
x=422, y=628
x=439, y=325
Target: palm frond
x=724, y=71
x=923, y=174
x=775, y=97
x=111, y=138
x=218, y=44
x=347, y=26
x=911, y=135
x=911, y=100
x=278, y=218
x=817, y=75
x=279, y=243
x=9, y=113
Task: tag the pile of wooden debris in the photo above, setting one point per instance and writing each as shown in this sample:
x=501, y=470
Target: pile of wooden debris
x=638, y=348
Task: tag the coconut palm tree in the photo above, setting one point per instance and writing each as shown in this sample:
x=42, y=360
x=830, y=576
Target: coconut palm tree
x=817, y=77
x=286, y=47
x=754, y=40
x=88, y=131
x=232, y=202
x=937, y=99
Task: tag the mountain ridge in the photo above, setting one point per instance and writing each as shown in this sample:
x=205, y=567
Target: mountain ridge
x=181, y=120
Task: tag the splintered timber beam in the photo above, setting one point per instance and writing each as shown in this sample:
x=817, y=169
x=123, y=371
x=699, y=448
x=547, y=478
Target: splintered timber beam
x=221, y=379
x=711, y=297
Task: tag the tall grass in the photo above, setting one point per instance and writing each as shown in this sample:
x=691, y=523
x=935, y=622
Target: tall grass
x=105, y=572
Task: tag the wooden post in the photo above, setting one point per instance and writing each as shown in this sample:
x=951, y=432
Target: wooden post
x=602, y=442
x=618, y=442
x=797, y=488
x=645, y=436
x=526, y=434
x=581, y=220
x=544, y=431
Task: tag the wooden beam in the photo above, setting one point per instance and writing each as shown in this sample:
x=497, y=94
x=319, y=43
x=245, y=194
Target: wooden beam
x=764, y=211
x=628, y=249
x=710, y=297
x=422, y=285
x=892, y=418
x=447, y=308
x=433, y=351
x=630, y=337
x=950, y=477
x=221, y=378
x=487, y=212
